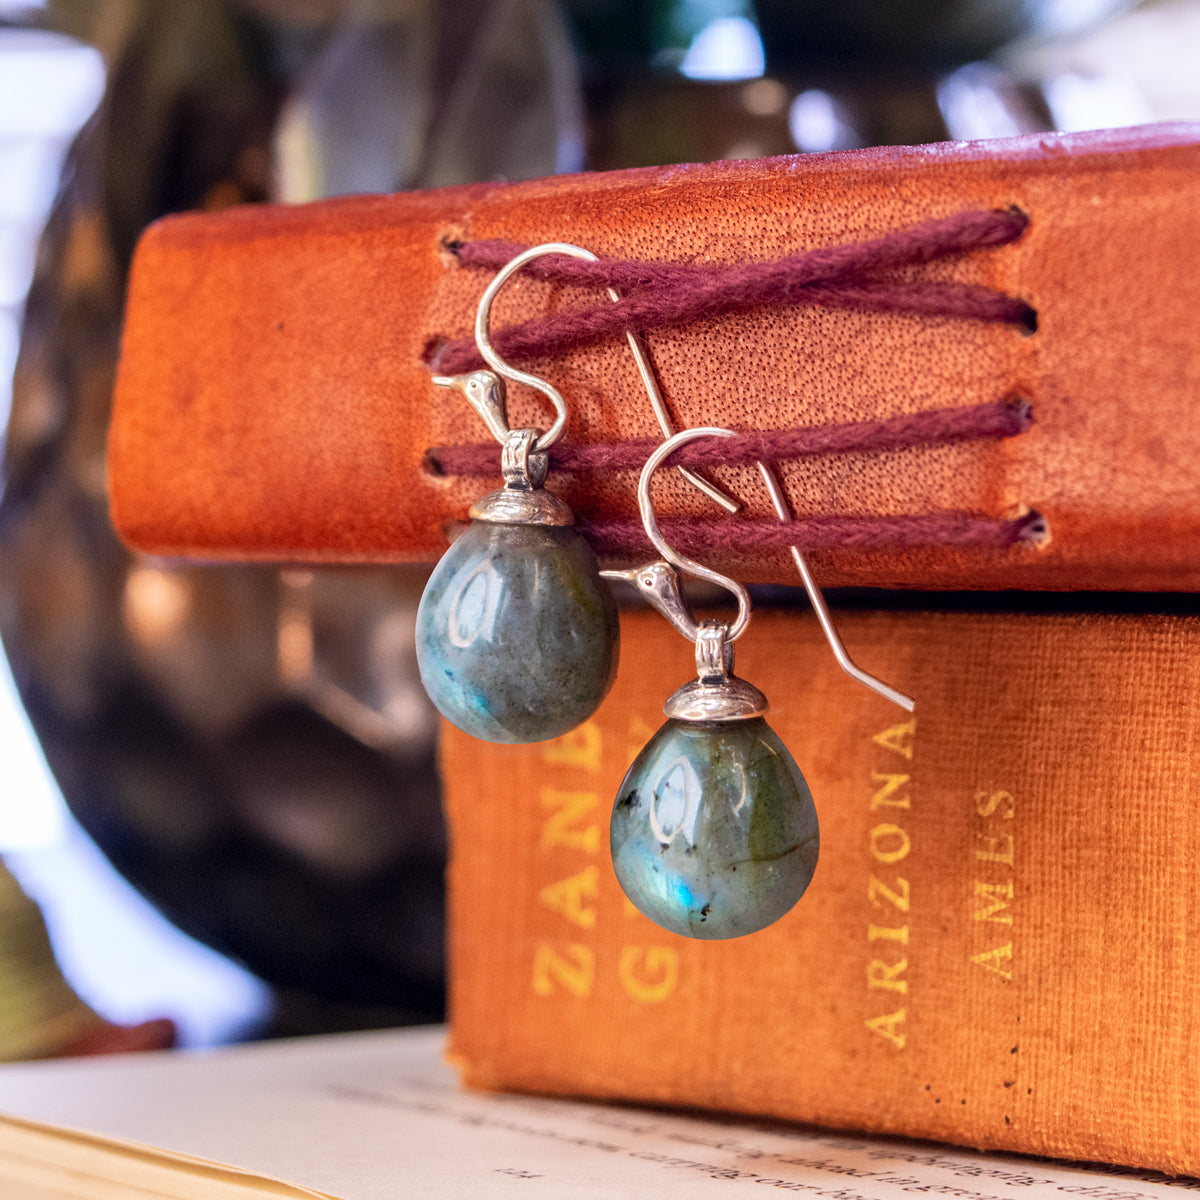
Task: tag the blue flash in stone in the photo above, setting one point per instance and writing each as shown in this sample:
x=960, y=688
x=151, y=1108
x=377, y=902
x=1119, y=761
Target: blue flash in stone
x=517, y=634
x=714, y=832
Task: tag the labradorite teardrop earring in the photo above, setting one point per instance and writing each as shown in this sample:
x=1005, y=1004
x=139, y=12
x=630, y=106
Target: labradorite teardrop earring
x=714, y=832
x=517, y=635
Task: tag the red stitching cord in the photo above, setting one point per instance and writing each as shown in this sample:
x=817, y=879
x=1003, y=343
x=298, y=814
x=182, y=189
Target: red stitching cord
x=656, y=295
x=620, y=538
x=939, y=426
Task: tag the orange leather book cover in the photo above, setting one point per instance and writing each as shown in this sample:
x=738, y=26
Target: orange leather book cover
x=274, y=397
x=998, y=948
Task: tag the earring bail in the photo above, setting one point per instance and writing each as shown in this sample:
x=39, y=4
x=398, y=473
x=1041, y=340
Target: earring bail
x=524, y=469
x=716, y=694
x=522, y=500
x=714, y=653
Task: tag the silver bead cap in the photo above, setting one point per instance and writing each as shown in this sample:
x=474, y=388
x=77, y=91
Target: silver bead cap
x=522, y=500
x=732, y=699
x=520, y=506
x=717, y=694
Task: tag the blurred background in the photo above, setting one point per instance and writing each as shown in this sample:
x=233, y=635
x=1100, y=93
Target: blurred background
x=217, y=784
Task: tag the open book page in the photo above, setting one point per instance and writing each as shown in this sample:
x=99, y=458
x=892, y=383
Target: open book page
x=376, y=1116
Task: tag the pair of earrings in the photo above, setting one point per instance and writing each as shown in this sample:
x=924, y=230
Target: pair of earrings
x=714, y=832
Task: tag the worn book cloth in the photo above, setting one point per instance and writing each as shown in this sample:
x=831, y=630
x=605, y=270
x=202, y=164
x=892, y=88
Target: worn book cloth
x=998, y=948
x=274, y=397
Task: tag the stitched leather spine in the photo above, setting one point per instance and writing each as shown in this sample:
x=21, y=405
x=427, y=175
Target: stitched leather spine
x=273, y=399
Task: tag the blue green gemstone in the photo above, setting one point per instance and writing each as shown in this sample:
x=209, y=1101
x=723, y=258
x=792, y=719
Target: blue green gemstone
x=517, y=634
x=714, y=832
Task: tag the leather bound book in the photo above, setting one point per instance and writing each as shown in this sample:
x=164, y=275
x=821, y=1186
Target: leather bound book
x=998, y=948
x=274, y=397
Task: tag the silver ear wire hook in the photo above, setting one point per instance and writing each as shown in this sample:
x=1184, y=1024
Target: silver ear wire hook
x=667, y=599
x=661, y=415
x=487, y=395
x=817, y=599
x=547, y=439
x=679, y=561
x=658, y=583
x=488, y=351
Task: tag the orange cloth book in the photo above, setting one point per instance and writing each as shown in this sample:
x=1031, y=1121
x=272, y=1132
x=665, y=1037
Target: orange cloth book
x=274, y=402
x=998, y=949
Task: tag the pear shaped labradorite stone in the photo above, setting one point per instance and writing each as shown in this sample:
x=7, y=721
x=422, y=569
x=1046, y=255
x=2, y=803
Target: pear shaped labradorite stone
x=714, y=832
x=517, y=633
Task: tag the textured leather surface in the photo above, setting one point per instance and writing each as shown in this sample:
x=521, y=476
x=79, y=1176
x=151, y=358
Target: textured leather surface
x=272, y=400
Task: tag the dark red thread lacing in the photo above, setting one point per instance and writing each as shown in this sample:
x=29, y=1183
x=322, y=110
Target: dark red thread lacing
x=656, y=295
x=622, y=538
x=940, y=426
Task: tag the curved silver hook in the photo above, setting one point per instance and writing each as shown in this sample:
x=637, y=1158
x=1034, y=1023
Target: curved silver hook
x=493, y=360
x=677, y=560
x=784, y=513
x=493, y=414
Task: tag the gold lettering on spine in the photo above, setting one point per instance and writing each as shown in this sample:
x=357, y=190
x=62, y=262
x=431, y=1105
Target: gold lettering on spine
x=878, y=891
x=995, y=896
x=898, y=739
x=996, y=846
x=889, y=843
x=995, y=849
x=562, y=827
x=649, y=974
x=573, y=971
x=986, y=804
x=998, y=961
x=890, y=1027
x=886, y=796
x=579, y=748
x=881, y=974
x=571, y=800
x=574, y=897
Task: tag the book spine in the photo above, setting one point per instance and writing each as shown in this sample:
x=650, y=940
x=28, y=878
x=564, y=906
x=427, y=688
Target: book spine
x=327, y=315
x=995, y=950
